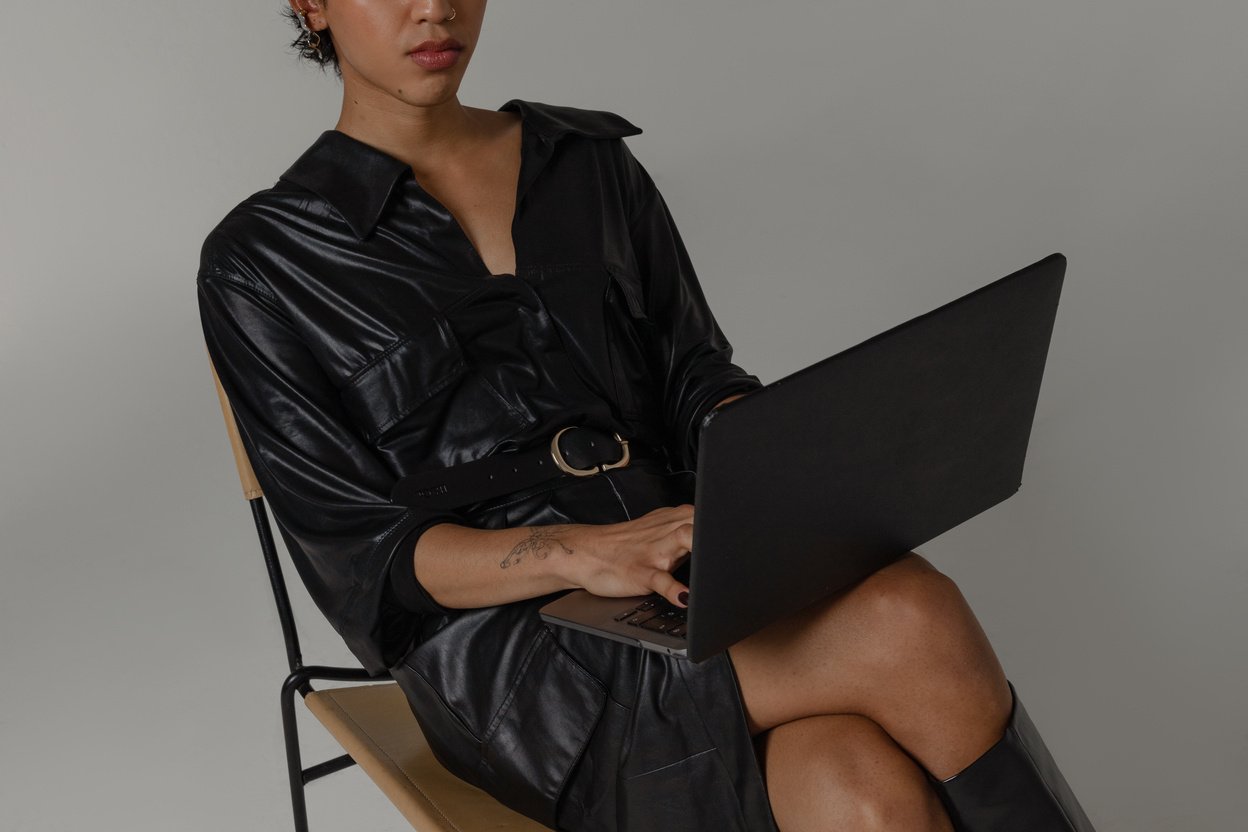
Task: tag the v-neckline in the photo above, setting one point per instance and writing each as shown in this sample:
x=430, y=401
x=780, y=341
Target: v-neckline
x=515, y=210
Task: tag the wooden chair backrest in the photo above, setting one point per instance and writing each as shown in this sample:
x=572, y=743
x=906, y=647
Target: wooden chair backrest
x=251, y=488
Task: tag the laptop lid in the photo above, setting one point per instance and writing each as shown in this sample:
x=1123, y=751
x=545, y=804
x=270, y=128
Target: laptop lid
x=820, y=478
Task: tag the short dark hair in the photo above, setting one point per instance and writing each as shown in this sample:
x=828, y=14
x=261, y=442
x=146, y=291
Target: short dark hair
x=300, y=44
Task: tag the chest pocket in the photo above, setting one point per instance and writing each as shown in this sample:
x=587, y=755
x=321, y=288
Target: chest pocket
x=422, y=396
x=597, y=313
x=630, y=340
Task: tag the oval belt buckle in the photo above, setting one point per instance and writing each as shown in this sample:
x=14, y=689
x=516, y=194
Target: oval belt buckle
x=585, y=472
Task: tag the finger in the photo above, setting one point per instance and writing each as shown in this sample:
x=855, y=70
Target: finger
x=664, y=518
x=684, y=536
x=667, y=586
x=678, y=516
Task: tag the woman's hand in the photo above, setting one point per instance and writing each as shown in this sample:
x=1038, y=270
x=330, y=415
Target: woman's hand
x=634, y=557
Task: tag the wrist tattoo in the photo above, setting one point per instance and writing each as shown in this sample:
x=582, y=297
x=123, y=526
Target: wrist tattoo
x=540, y=542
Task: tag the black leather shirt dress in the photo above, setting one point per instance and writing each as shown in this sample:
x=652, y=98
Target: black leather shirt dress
x=359, y=337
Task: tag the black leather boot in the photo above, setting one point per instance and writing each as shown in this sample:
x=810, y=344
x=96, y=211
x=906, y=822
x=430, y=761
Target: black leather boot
x=1014, y=786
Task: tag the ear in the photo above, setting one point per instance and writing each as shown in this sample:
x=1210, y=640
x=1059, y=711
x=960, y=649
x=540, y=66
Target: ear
x=315, y=17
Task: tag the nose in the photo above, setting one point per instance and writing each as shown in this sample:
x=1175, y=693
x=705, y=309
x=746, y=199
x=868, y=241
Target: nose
x=436, y=10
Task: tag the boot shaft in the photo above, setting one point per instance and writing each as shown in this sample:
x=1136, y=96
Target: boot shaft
x=1014, y=786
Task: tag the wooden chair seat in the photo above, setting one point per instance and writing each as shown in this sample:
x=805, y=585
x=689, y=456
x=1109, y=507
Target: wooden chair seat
x=374, y=724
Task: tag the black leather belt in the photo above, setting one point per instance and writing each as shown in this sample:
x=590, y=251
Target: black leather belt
x=575, y=451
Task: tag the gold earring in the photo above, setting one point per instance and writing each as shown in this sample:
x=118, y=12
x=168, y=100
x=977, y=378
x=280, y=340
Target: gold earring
x=312, y=40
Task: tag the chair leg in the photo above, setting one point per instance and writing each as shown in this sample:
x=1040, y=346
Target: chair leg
x=294, y=761
x=1014, y=786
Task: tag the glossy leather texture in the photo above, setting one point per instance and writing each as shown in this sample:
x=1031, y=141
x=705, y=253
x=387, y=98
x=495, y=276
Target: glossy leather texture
x=1014, y=786
x=359, y=337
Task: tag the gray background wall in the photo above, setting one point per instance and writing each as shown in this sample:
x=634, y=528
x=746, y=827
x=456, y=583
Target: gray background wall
x=835, y=168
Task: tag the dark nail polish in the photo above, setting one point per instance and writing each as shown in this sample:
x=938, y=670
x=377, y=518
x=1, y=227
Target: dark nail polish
x=684, y=598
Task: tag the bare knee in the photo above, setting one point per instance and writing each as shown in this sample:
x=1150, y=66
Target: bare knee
x=844, y=771
x=921, y=615
x=913, y=594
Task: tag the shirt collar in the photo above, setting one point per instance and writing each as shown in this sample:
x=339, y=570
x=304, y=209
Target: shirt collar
x=358, y=179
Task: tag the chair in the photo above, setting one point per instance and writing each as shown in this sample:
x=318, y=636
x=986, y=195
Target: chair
x=373, y=723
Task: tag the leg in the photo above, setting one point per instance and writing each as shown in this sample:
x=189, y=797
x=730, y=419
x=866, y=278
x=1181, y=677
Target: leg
x=845, y=772
x=1016, y=785
x=901, y=647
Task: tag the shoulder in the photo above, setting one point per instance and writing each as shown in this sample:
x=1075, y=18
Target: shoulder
x=242, y=245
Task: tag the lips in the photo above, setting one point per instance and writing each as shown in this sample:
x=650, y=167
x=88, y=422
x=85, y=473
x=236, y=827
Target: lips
x=438, y=45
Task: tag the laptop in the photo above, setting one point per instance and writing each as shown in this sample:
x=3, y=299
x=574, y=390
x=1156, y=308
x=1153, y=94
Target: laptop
x=813, y=482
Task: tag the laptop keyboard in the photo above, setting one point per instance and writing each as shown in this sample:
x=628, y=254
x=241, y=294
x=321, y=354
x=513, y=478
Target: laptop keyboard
x=658, y=614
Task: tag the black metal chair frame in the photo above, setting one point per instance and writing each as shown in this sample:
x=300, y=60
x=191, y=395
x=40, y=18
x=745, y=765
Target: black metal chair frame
x=299, y=680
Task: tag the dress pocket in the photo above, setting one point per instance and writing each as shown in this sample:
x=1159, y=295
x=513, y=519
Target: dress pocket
x=541, y=731
x=428, y=372
x=504, y=706
x=451, y=740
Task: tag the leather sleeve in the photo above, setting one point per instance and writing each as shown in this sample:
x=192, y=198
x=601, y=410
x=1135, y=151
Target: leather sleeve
x=328, y=491
x=408, y=591
x=689, y=350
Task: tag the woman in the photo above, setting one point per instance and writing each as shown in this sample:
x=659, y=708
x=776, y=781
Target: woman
x=431, y=284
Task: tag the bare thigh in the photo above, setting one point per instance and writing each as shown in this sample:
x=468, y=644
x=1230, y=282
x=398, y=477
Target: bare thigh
x=845, y=772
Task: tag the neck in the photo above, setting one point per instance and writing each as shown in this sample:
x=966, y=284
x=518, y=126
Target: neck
x=426, y=136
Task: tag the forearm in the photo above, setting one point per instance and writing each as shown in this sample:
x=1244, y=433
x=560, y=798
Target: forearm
x=463, y=567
